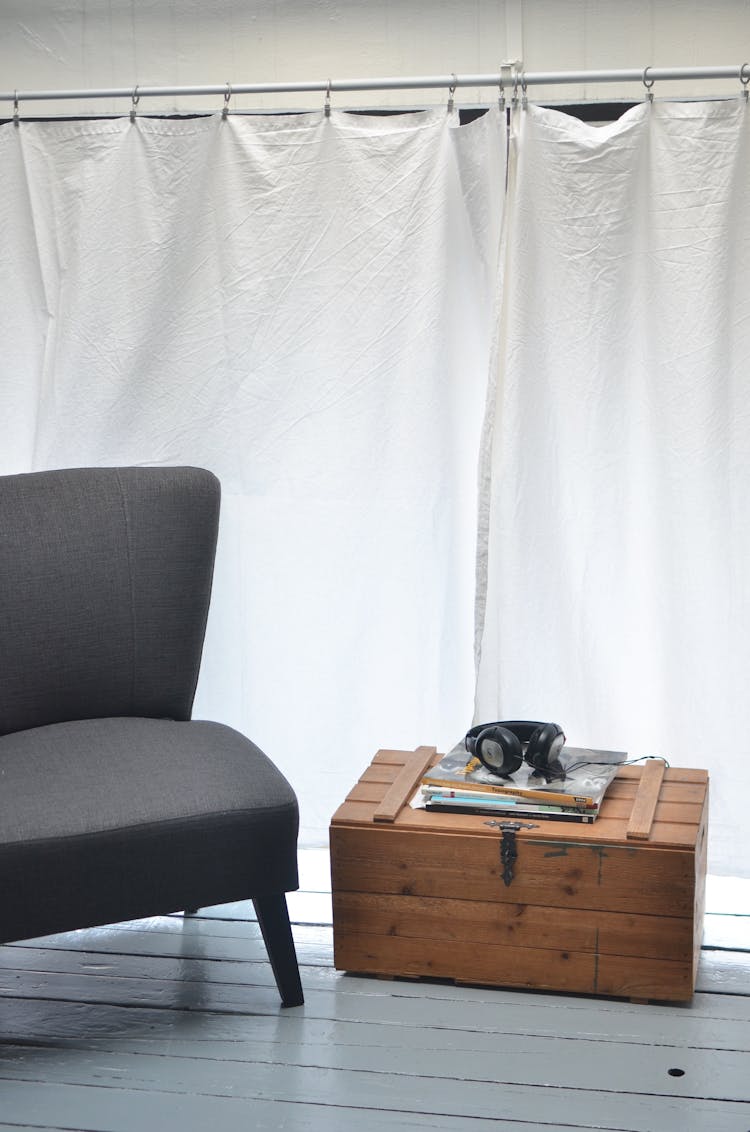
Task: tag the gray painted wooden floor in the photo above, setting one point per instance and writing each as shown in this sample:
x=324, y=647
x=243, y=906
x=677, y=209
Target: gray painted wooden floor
x=175, y=1024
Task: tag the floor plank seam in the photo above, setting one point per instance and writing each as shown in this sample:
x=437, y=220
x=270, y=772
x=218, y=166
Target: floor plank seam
x=130, y=1087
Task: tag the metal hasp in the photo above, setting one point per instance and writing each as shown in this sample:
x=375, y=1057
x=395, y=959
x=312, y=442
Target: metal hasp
x=508, y=846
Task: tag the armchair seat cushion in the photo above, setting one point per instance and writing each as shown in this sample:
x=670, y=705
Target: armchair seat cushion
x=122, y=817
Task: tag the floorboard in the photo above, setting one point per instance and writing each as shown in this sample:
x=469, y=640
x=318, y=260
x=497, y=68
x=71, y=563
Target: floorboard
x=174, y=1023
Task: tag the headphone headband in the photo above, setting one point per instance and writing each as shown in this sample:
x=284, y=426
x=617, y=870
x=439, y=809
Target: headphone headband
x=523, y=729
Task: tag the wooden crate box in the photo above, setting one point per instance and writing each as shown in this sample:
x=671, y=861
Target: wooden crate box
x=614, y=907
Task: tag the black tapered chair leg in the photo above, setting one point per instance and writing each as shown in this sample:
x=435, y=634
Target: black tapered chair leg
x=273, y=919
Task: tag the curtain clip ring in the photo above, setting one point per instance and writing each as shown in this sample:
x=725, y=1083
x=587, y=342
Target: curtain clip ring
x=451, y=92
x=745, y=79
x=524, y=97
x=507, y=71
x=648, y=83
x=227, y=96
x=135, y=99
x=15, y=107
x=327, y=107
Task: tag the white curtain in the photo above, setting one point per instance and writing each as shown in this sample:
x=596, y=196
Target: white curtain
x=618, y=537
x=304, y=305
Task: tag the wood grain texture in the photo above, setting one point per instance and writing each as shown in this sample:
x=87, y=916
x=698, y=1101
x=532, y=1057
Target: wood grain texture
x=595, y=909
x=646, y=800
x=549, y=873
x=470, y=924
x=404, y=784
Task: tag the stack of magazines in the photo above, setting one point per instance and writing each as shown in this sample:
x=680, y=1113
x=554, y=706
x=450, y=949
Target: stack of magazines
x=459, y=783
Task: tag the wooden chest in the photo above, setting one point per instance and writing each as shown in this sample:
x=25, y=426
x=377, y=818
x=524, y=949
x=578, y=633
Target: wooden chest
x=610, y=908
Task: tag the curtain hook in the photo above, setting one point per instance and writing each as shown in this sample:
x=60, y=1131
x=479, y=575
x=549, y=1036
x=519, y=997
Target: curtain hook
x=327, y=107
x=135, y=100
x=227, y=96
x=501, y=96
x=514, y=99
x=648, y=84
x=524, y=98
x=451, y=92
x=15, y=107
x=744, y=80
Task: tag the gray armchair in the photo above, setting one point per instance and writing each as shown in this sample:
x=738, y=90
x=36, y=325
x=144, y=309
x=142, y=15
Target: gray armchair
x=114, y=804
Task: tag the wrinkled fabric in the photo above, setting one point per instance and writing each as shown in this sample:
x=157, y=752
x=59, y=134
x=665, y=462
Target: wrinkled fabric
x=307, y=306
x=303, y=305
x=616, y=485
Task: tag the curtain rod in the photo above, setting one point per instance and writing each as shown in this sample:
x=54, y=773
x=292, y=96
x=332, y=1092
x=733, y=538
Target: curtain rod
x=510, y=75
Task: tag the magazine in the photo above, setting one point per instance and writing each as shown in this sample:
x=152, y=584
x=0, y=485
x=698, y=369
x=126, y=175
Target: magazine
x=438, y=799
x=586, y=775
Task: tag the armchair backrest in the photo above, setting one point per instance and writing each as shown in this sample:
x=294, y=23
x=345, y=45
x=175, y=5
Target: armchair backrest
x=105, y=582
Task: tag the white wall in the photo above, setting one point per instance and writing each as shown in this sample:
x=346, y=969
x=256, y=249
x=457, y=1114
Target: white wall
x=84, y=44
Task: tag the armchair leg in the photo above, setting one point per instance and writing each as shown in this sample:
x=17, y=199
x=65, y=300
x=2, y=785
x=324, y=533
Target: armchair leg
x=273, y=919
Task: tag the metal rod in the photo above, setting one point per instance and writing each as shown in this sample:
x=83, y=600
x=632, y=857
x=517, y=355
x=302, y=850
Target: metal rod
x=421, y=82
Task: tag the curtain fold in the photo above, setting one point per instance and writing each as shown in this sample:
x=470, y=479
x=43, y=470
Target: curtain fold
x=302, y=304
x=308, y=306
x=618, y=532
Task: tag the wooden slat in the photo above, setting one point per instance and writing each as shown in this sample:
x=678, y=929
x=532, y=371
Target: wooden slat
x=645, y=978
x=371, y=792
x=111, y=1110
x=625, y=789
x=383, y=773
x=404, y=785
x=671, y=773
x=527, y=1082
x=535, y=968
x=469, y=924
x=388, y=757
x=644, y=807
x=488, y=964
x=548, y=873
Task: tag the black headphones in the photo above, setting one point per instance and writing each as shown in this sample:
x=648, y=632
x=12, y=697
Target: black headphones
x=499, y=746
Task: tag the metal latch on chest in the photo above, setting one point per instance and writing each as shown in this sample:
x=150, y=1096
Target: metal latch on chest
x=508, y=846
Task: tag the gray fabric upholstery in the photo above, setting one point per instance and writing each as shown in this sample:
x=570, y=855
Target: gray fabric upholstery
x=105, y=578
x=113, y=803
x=116, y=818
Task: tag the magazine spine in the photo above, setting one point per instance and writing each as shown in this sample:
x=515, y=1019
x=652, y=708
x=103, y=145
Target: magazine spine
x=480, y=797
x=547, y=796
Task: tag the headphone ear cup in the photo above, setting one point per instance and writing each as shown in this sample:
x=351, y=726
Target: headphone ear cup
x=544, y=748
x=499, y=750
